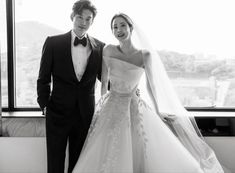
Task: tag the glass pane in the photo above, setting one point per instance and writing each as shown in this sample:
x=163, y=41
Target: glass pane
x=194, y=38
x=3, y=51
x=34, y=21
x=201, y=81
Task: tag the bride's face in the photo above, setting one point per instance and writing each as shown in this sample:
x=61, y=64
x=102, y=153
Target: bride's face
x=121, y=29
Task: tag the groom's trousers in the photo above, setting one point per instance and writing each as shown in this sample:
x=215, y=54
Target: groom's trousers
x=61, y=130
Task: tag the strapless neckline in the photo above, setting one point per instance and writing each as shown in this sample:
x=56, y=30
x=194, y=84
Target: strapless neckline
x=125, y=62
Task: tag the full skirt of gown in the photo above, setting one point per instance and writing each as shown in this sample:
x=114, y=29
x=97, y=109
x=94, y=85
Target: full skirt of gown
x=127, y=136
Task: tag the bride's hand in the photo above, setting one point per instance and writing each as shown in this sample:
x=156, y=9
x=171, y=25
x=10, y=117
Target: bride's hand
x=168, y=117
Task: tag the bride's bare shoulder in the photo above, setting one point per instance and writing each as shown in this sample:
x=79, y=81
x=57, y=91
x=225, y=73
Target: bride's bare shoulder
x=108, y=49
x=146, y=54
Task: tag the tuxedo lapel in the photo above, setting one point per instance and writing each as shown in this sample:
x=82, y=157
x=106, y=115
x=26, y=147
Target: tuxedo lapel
x=68, y=49
x=92, y=42
x=94, y=50
x=68, y=42
x=92, y=60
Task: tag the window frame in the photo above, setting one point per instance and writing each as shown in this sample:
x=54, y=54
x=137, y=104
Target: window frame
x=11, y=65
x=11, y=60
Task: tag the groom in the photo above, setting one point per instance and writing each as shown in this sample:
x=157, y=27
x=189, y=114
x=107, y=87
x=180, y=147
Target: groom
x=73, y=62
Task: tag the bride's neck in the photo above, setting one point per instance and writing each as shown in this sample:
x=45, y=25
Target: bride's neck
x=127, y=47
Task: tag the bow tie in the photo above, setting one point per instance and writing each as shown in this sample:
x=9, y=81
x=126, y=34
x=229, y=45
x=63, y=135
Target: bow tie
x=82, y=41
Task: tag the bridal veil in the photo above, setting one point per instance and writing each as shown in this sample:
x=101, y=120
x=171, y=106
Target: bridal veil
x=166, y=103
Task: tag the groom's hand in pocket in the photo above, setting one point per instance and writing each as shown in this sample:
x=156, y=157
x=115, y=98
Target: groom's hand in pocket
x=137, y=92
x=44, y=111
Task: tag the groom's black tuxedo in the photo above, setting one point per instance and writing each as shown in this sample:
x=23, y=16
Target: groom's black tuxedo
x=70, y=103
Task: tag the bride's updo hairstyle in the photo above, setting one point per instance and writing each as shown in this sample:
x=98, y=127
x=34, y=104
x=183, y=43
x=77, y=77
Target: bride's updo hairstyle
x=125, y=17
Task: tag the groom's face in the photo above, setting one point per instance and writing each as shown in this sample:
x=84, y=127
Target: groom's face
x=82, y=22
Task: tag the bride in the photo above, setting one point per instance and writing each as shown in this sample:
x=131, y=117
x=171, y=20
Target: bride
x=128, y=135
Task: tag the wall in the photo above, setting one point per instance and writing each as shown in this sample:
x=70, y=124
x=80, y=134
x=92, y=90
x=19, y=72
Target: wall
x=23, y=155
x=28, y=155
x=224, y=148
x=0, y=97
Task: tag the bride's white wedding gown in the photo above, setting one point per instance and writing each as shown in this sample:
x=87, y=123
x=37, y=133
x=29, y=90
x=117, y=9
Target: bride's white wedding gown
x=127, y=136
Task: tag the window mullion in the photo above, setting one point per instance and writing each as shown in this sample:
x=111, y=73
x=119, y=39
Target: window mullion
x=10, y=53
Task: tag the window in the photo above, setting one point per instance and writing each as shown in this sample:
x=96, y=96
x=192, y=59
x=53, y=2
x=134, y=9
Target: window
x=202, y=81
x=3, y=56
x=34, y=21
x=195, y=40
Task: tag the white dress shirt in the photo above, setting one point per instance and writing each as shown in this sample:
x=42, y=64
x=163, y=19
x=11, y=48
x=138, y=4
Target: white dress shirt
x=80, y=55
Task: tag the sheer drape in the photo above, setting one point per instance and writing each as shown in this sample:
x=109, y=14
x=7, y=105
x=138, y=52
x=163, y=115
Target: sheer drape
x=166, y=103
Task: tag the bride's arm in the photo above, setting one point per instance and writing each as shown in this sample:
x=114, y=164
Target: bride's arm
x=151, y=88
x=104, y=74
x=149, y=76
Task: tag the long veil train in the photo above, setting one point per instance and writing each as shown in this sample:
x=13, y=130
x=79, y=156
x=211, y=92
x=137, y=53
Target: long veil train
x=167, y=103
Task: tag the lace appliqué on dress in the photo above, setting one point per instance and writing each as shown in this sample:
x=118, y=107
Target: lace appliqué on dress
x=119, y=123
x=98, y=109
x=121, y=86
x=111, y=158
x=137, y=122
x=112, y=114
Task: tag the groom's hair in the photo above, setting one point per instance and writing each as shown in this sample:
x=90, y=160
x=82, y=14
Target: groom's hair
x=81, y=5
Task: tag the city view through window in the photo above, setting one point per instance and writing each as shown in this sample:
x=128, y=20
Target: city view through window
x=194, y=38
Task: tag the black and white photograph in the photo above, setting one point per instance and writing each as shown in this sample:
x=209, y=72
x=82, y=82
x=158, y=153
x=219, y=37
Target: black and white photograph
x=97, y=86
